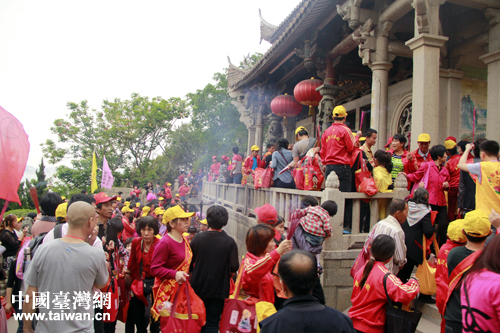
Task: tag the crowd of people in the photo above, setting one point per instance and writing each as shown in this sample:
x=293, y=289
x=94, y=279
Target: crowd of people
x=143, y=247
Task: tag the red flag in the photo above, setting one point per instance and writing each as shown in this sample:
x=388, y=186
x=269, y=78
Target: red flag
x=14, y=150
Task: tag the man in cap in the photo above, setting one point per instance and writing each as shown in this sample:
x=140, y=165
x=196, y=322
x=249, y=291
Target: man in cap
x=487, y=190
x=454, y=171
x=61, y=213
x=203, y=225
x=128, y=228
x=84, y=267
x=337, y=146
x=214, y=169
x=104, y=209
x=168, y=192
x=370, y=141
x=302, y=145
x=421, y=154
x=477, y=228
x=455, y=238
x=253, y=161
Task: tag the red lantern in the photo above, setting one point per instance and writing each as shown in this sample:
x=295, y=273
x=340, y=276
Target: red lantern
x=285, y=106
x=306, y=94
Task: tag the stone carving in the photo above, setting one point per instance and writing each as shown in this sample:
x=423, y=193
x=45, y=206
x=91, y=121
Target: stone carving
x=421, y=16
x=308, y=51
x=267, y=30
x=350, y=11
x=176, y=184
x=275, y=129
x=332, y=181
x=250, y=179
x=234, y=73
x=400, y=183
x=327, y=103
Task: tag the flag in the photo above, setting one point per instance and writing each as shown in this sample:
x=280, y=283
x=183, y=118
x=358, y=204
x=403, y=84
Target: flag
x=14, y=150
x=107, y=177
x=93, y=184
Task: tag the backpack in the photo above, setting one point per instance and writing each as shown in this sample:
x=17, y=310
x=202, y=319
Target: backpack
x=38, y=240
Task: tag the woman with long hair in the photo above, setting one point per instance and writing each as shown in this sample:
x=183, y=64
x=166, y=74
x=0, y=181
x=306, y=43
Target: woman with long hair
x=258, y=263
x=368, y=295
x=9, y=240
x=281, y=158
x=382, y=175
x=171, y=258
x=481, y=291
x=139, y=272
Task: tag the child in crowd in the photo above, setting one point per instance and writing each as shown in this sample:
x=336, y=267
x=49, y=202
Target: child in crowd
x=315, y=221
x=279, y=226
x=383, y=178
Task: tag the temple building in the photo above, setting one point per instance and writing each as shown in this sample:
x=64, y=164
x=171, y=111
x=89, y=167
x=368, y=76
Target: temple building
x=402, y=66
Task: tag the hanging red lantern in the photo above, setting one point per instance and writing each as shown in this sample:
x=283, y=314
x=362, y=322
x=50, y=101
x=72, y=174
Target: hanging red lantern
x=306, y=94
x=285, y=106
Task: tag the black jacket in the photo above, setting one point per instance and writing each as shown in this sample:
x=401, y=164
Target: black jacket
x=306, y=314
x=467, y=190
x=414, y=236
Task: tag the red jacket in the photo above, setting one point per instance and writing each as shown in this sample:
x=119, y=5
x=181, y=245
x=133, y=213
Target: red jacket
x=247, y=167
x=419, y=159
x=454, y=172
x=337, y=145
x=435, y=182
x=368, y=303
x=168, y=193
x=257, y=276
x=128, y=229
x=134, y=261
x=442, y=274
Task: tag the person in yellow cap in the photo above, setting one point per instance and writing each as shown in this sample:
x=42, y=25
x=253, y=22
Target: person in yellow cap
x=168, y=192
x=203, y=225
x=146, y=211
x=421, y=154
x=337, y=147
x=61, y=212
x=128, y=222
x=172, y=258
x=253, y=161
x=476, y=228
x=487, y=188
x=455, y=238
x=454, y=171
x=302, y=145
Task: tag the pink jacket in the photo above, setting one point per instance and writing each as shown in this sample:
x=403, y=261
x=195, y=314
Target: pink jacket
x=434, y=183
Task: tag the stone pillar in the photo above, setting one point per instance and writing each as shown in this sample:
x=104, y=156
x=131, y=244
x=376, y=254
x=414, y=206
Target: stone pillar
x=492, y=59
x=380, y=97
x=425, y=103
x=289, y=130
x=251, y=138
x=259, y=130
x=450, y=103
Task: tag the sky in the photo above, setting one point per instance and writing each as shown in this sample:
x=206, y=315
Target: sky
x=53, y=52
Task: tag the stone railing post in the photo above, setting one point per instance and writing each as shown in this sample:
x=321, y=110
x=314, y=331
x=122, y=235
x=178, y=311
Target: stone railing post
x=176, y=184
x=333, y=193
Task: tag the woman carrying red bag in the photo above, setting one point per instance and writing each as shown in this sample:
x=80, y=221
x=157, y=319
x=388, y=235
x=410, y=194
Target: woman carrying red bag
x=139, y=276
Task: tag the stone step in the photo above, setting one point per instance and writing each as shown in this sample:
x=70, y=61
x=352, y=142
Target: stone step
x=430, y=312
x=427, y=326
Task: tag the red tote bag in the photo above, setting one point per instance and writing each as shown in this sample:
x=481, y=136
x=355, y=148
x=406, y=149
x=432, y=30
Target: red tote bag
x=238, y=316
x=362, y=257
x=113, y=308
x=178, y=321
x=313, y=177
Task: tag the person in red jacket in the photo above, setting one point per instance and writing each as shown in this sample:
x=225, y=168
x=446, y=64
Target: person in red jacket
x=454, y=171
x=421, y=155
x=253, y=161
x=368, y=294
x=257, y=280
x=400, y=157
x=455, y=238
x=437, y=182
x=128, y=228
x=214, y=170
x=168, y=192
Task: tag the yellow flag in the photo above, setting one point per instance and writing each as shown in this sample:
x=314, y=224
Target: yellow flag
x=93, y=185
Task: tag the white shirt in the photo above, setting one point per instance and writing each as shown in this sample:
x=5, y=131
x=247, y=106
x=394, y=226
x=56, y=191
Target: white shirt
x=50, y=236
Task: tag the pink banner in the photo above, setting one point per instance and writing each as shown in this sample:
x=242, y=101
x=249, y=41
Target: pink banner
x=107, y=177
x=14, y=150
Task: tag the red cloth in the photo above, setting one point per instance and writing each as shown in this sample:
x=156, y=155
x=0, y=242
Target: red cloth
x=168, y=193
x=134, y=261
x=257, y=275
x=14, y=150
x=454, y=172
x=442, y=274
x=337, y=144
x=135, y=192
x=247, y=167
x=368, y=304
x=214, y=168
x=435, y=183
x=128, y=229
x=419, y=159
x=181, y=180
x=167, y=256
x=183, y=191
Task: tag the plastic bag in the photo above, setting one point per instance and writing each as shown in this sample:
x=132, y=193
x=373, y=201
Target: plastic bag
x=187, y=302
x=258, y=178
x=364, y=180
x=426, y=275
x=313, y=176
x=263, y=178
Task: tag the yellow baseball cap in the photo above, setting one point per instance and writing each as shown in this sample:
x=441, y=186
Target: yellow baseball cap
x=168, y=184
x=118, y=198
x=159, y=211
x=300, y=128
x=185, y=234
x=255, y=147
x=138, y=204
x=177, y=195
x=204, y=221
x=145, y=210
x=339, y=112
x=61, y=210
x=450, y=144
x=455, y=231
x=127, y=203
x=20, y=219
x=63, y=198
x=161, y=199
x=361, y=138
x=127, y=209
x=424, y=137
x=175, y=212
x=477, y=224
